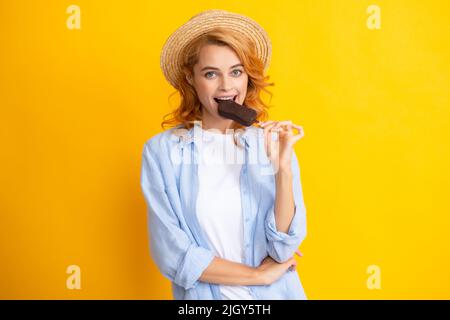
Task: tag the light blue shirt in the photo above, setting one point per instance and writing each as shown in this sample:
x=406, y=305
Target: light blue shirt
x=178, y=246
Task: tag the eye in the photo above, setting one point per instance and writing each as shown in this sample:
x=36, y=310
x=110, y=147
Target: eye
x=210, y=72
x=238, y=71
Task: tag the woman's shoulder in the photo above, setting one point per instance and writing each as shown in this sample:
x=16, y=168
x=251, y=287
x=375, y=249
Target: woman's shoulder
x=165, y=139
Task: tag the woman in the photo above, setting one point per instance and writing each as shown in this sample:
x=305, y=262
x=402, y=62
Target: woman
x=225, y=203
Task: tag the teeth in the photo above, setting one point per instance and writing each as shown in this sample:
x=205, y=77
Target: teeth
x=226, y=98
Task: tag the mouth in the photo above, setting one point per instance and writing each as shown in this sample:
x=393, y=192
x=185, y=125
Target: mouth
x=218, y=100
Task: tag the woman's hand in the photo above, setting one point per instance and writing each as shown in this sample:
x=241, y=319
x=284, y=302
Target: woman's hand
x=270, y=271
x=280, y=151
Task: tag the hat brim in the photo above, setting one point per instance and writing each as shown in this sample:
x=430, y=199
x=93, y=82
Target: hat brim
x=202, y=23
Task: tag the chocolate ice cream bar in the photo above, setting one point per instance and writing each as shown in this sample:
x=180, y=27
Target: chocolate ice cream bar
x=234, y=111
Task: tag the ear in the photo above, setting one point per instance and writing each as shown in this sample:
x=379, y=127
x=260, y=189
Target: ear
x=189, y=80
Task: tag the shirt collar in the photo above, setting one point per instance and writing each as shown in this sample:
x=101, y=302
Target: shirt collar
x=193, y=135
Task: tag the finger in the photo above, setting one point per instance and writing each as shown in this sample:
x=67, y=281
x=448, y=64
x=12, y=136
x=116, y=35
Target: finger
x=285, y=122
x=268, y=137
x=300, y=134
x=293, y=265
x=284, y=128
x=299, y=253
x=273, y=143
x=263, y=124
x=270, y=131
x=282, y=124
x=299, y=128
x=296, y=138
x=266, y=141
x=269, y=126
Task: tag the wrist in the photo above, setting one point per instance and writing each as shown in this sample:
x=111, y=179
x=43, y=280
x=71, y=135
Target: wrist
x=258, y=277
x=284, y=173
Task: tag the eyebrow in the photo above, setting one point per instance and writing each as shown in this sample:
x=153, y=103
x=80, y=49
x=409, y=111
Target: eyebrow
x=212, y=68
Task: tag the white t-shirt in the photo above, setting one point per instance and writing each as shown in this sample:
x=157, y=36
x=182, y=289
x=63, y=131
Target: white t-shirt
x=219, y=209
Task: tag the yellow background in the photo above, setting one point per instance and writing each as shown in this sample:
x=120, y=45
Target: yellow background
x=78, y=105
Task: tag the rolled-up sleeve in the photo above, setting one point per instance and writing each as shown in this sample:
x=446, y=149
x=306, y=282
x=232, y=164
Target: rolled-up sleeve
x=177, y=257
x=281, y=245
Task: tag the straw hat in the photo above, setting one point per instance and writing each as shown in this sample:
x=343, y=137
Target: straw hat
x=202, y=23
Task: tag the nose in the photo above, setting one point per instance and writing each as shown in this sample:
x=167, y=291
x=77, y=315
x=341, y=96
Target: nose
x=226, y=84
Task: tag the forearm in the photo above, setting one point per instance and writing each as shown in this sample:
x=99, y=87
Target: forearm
x=222, y=271
x=284, y=200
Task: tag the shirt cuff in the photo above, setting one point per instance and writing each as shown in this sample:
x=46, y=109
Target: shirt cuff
x=195, y=261
x=291, y=237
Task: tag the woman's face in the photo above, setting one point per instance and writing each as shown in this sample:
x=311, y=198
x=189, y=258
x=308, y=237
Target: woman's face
x=218, y=73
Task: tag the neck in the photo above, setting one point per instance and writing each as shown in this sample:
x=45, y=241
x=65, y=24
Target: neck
x=220, y=124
